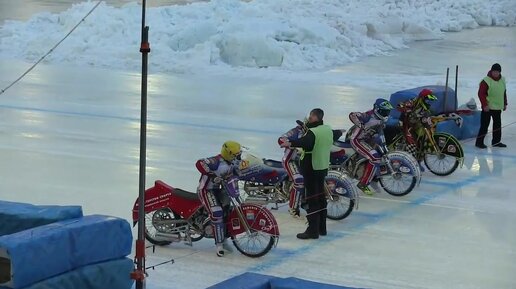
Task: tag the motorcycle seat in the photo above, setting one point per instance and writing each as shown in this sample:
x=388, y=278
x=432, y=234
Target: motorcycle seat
x=342, y=144
x=185, y=194
x=273, y=163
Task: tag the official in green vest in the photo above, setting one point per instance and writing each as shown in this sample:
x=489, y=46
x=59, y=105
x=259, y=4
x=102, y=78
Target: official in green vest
x=493, y=97
x=315, y=160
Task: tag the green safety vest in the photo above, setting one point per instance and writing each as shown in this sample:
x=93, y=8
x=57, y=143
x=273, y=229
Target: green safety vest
x=322, y=147
x=495, y=93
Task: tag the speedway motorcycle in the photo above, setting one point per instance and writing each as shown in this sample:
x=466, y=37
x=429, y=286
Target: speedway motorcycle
x=399, y=172
x=265, y=181
x=175, y=215
x=441, y=152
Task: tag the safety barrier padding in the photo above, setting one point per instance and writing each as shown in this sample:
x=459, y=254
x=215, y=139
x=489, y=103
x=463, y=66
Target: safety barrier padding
x=245, y=281
x=441, y=105
x=16, y=217
x=111, y=274
x=295, y=283
x=259, y=281
x=471, y=125
x=37, y=254
x=449, y=126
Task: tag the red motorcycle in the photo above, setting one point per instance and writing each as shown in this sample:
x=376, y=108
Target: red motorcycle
x=175, y=215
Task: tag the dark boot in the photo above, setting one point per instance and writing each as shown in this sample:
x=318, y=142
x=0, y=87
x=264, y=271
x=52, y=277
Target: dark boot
x=312, y=232
x=322, y=223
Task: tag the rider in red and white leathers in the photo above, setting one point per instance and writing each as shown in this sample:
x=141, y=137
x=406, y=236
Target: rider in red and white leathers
x=368, y=126
x=290, y=162
x=213, y=171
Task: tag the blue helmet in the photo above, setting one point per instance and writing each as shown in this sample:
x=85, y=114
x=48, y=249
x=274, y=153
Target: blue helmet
x=382, y=108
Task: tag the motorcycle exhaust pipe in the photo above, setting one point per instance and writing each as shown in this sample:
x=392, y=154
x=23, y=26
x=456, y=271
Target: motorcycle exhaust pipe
x=258, y=188
x=257, y=200
x=173, y=237
x=170, y=222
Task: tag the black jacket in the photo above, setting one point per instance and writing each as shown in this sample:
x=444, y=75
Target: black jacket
x=307, y=143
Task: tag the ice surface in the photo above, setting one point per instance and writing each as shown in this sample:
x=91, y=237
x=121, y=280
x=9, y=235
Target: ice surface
x=69, y=135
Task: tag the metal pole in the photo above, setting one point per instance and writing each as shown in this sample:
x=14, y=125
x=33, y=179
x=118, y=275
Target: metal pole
x=139, y=274
x=446, y=89
x=456, y=83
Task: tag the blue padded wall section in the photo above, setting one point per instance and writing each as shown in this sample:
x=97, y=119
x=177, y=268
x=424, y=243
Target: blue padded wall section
x=16, y=217
x=111, y=274
x=43, y=252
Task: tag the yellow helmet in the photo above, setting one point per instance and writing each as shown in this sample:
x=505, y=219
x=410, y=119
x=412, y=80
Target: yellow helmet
x=230, y=150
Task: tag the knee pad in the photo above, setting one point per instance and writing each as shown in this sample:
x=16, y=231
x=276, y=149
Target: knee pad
x=217, y=214
x=299, y=181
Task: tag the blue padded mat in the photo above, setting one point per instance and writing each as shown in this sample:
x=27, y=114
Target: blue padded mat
x=111, y=274
x=16, y=217
x=43, y=252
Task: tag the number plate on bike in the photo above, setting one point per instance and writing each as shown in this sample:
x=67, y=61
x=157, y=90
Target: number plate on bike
x=442, y=141
x=235, y=223
x=249, y=215
x=404, y=169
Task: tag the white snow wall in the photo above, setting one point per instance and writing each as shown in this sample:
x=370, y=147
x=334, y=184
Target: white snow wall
x=221, y=34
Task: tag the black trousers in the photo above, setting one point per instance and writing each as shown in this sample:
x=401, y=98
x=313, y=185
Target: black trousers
x=485, y=120
x=315, y=197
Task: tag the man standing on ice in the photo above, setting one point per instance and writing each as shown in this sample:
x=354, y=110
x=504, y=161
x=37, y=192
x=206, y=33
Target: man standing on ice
x=493, y=97
x=315, y=161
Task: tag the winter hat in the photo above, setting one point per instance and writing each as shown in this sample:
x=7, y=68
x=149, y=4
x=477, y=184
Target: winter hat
x=496, y=67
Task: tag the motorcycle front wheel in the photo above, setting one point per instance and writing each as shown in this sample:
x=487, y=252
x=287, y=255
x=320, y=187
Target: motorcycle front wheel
x=405, y=176
x=254, y=244
x=342, y=200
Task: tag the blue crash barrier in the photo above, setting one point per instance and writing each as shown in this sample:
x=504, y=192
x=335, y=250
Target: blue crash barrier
x=36, y=254
x=111, y=274
x=449, y=126
x=469, y=129
x=295, y=283
x=471, y=125
x=16, y=217
x=259, y=281
x=245, y=281
x=441, y=105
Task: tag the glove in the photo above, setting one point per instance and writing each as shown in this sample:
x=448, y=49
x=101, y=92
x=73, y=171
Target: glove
x=232, y=188
x=216, y=179
x=244, y=164
x=427, y=121
x=285, y=143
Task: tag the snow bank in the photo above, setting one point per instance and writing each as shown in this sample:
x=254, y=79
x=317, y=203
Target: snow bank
x=222, y=34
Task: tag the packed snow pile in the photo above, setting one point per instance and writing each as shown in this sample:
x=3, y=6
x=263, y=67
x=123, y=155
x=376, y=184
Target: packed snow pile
x=221, y=34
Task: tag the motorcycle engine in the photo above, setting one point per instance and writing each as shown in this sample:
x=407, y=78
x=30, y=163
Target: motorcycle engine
x=208, y=228
x=400, y=146
x=360, y=170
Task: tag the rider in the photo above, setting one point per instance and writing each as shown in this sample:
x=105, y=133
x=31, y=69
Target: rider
x=213, y=171
x=368, y=126
x=290, y=162
x=415, y=114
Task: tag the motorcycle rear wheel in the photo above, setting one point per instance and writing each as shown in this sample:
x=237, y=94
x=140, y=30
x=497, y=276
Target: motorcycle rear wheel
x=151, y=228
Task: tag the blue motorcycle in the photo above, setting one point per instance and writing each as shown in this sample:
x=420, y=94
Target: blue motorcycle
x=265, y=181
x=399, y=171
